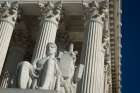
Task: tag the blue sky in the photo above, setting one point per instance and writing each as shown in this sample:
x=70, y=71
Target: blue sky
x=131, y=46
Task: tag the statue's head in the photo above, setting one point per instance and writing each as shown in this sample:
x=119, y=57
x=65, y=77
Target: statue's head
x=51, y=48
x=6, y=5
x=15, y=5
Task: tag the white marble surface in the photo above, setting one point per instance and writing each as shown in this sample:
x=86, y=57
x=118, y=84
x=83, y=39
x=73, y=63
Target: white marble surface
x=13, y=90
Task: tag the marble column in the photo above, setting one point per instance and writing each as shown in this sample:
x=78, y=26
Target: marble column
x=92, y=52
x=107, y=65
x=16, y=52
x=8, y=15
x=50, y=16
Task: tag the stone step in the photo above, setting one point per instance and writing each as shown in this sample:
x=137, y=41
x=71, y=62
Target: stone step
x=15, y=90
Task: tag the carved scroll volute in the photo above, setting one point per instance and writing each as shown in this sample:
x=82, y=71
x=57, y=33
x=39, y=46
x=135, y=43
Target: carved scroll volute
x=51, y=10
x=9, y=11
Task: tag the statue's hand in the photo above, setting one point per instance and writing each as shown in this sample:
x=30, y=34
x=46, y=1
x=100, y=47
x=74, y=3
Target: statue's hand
x=34, y=73
x=39, y=66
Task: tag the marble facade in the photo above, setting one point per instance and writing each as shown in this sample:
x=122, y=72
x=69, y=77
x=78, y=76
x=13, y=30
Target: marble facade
x=27, y=26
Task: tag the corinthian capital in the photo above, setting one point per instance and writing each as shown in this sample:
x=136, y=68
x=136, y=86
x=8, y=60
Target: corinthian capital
x=96, y=10
x=51, y=10
x=8, y=11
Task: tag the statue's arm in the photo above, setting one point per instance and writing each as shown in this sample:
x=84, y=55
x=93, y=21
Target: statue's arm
x=35, y=69
x=35, y=62
x=39, y=63
x=44, y=60
x=59, y=73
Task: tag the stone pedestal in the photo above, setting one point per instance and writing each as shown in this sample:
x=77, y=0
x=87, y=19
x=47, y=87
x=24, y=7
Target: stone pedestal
x=13, y=90
x=50, y=16
x=7, y=22
x=92, y=52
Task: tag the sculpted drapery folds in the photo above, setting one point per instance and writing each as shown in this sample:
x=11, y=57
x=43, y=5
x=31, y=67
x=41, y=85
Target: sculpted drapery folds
x=51, y=72
x=43, y=74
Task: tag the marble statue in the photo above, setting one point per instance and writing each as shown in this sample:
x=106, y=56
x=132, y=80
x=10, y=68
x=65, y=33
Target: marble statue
x=25, y=74
x=70, y=72
x=51, y=72
x=43, y=74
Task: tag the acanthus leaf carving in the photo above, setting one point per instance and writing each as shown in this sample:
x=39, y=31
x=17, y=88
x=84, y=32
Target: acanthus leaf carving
x=96, y=10
x=50, y=10
x=9, y=11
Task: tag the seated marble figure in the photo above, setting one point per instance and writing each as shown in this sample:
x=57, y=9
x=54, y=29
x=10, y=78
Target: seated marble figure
x=50, y=72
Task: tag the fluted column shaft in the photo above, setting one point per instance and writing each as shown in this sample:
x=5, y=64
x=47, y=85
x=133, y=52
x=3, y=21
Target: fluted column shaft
x=92, y=58
x=92, y=52
x=6, y=30
x=47, y=34
x=48, y=29
x=7, y=22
